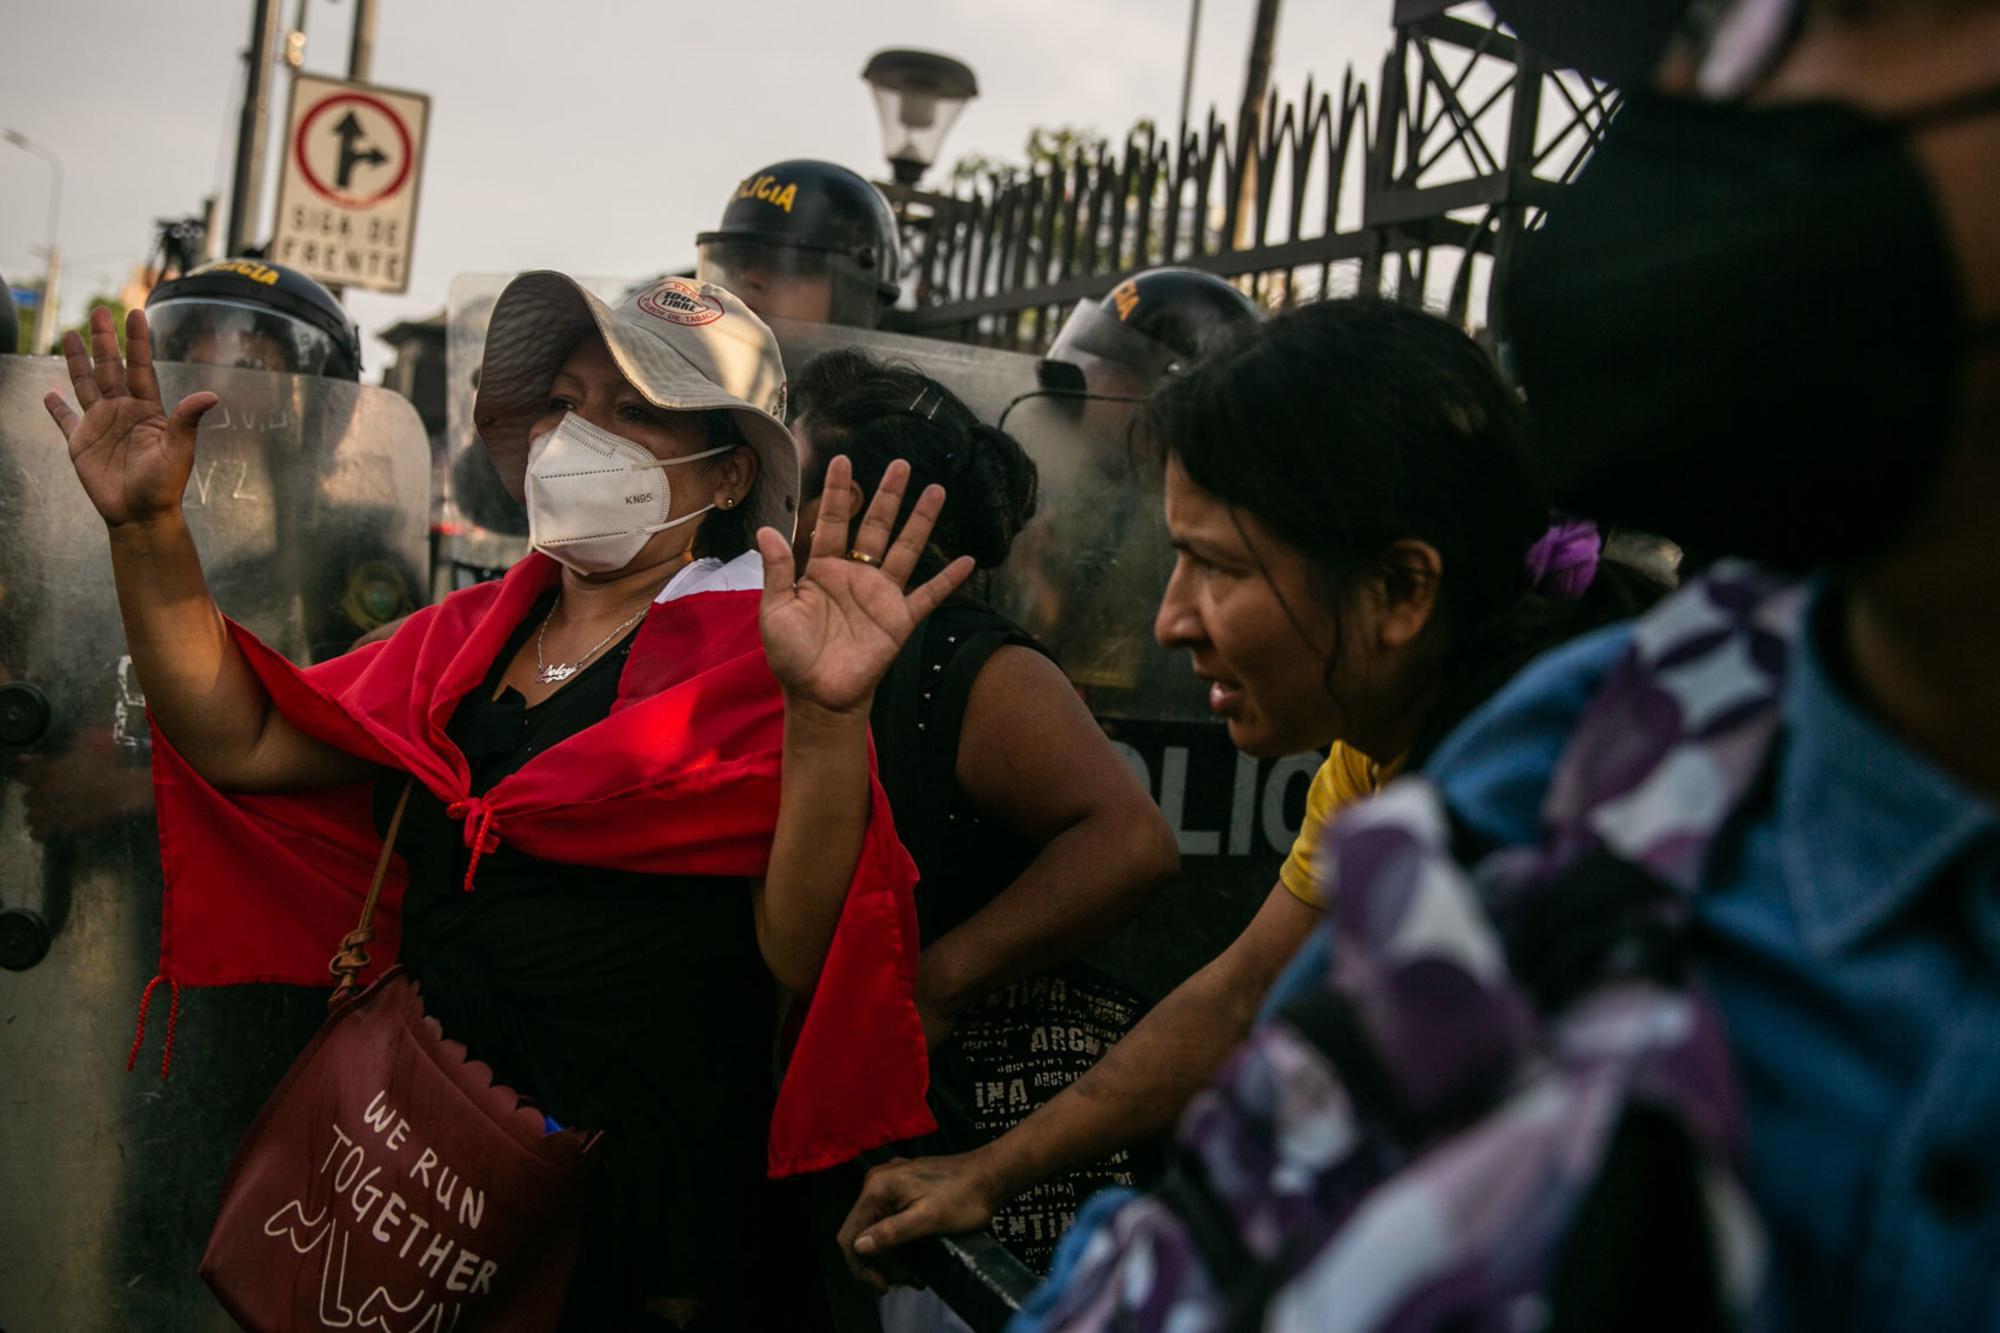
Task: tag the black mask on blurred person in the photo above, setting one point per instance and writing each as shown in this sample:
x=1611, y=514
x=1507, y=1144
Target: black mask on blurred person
x=1743, y=327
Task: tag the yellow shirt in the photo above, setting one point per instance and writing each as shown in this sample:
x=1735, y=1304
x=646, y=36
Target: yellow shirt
x=1345, y=777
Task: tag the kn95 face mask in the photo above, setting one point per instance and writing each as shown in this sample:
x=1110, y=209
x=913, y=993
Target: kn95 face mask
x=593, y=498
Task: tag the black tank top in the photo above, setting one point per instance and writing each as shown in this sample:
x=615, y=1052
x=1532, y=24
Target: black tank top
x=963, y=858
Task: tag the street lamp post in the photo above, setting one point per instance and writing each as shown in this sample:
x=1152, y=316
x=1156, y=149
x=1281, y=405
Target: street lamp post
x=45, y=322
x=917, y=95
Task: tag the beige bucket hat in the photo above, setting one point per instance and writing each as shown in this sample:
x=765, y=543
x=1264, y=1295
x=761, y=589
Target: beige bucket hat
x=687, y=346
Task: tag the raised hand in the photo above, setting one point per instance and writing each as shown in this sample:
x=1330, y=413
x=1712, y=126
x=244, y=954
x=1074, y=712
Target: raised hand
x=831, y=635
x=132, y=457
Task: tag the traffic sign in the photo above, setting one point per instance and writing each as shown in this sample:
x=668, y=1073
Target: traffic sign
x=347, y=203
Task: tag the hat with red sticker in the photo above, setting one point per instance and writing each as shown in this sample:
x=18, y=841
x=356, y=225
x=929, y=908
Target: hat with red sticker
x=687, y=346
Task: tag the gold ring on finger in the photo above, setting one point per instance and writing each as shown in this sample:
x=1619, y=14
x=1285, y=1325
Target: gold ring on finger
x=862, y=557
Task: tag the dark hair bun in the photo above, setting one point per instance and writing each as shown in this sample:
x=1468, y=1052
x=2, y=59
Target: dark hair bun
x=996, y=497
x=876, y=413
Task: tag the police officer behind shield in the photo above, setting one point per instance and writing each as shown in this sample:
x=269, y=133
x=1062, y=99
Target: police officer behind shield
x=1098, y=557
x=1152, y=325
x=251, y=314
x=245, y=314
x=805, y=240
x=254, y=315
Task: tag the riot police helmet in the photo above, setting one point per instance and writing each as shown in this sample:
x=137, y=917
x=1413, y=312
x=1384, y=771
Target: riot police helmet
x=805, y=239
x=255, y=314
x=10, y=325
x=1150, y=326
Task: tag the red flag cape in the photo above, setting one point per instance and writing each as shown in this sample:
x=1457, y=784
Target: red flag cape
x=680, y=779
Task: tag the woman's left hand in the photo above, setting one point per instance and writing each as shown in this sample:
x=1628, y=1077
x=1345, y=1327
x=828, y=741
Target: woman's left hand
x=831, y=634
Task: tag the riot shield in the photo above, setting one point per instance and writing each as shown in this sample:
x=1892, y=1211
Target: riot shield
x=309, y=501
x=1085, y=578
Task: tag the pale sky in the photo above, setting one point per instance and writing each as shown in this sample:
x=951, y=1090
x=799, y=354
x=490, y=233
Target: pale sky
x=593, y=136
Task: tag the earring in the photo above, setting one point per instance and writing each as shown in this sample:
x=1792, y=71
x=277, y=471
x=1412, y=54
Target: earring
x=726, y=502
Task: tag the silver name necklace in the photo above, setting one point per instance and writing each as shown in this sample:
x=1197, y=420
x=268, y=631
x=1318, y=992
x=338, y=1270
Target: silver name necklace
x=555, y=673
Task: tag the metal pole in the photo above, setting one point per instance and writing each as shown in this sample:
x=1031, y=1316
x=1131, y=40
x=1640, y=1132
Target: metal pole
x=1187, y=70
x=361, y=51
x=1250, y=115
x=1523, y=119
x=45, y=320
x=360, y=65
x=211, y=228
x=246, y=200
x=46, y=326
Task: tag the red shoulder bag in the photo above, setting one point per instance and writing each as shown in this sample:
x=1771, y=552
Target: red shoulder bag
x=389, y=1183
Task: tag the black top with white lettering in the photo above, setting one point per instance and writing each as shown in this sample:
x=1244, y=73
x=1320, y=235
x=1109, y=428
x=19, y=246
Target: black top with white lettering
x=636, y=1004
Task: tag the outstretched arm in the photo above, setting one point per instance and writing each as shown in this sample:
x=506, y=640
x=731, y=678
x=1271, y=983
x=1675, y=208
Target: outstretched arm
x=830, y=636
x=133, y=459
x=1136, y=1092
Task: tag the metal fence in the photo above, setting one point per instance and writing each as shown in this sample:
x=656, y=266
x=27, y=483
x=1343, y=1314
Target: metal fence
x=1412, y=188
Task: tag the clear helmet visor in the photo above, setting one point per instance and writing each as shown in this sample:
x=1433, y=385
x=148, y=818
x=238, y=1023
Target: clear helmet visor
x=1114, y=357
x=209, y=331
x=792, y=281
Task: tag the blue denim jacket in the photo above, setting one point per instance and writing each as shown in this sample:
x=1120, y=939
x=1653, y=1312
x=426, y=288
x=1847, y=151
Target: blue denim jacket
x=1851, y=933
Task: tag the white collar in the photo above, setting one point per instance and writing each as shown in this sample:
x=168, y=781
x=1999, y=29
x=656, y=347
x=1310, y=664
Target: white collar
x=743, y=574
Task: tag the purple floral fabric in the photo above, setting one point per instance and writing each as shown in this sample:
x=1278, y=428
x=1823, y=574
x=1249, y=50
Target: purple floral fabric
x=1404, y=1146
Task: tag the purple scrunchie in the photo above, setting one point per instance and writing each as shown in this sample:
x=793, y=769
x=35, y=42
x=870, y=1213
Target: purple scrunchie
x=1563, y=562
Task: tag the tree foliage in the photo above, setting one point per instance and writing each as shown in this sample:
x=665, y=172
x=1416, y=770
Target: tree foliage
x=82, y=326
x=1048, y=148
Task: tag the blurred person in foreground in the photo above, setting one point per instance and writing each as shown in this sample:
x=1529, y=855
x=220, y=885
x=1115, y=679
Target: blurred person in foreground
x=1849, y=926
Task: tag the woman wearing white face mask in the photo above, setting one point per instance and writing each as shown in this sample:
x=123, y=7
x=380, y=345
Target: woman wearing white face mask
x=595, y=903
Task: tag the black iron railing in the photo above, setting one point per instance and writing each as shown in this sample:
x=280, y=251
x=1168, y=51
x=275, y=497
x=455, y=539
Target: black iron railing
x=1412, y=188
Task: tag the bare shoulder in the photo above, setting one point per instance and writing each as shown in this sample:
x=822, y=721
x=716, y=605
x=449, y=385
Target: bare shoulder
x=1028, y=747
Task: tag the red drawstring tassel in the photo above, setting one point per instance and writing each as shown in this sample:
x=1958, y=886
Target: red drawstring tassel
x=479, y=836
x=173, y=1021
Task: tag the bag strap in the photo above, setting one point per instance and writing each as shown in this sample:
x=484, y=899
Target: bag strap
x=351, y=958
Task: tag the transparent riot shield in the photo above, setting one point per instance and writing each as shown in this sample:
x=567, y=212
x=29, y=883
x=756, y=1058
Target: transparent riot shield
x=1085, y=578
x=309, y=501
